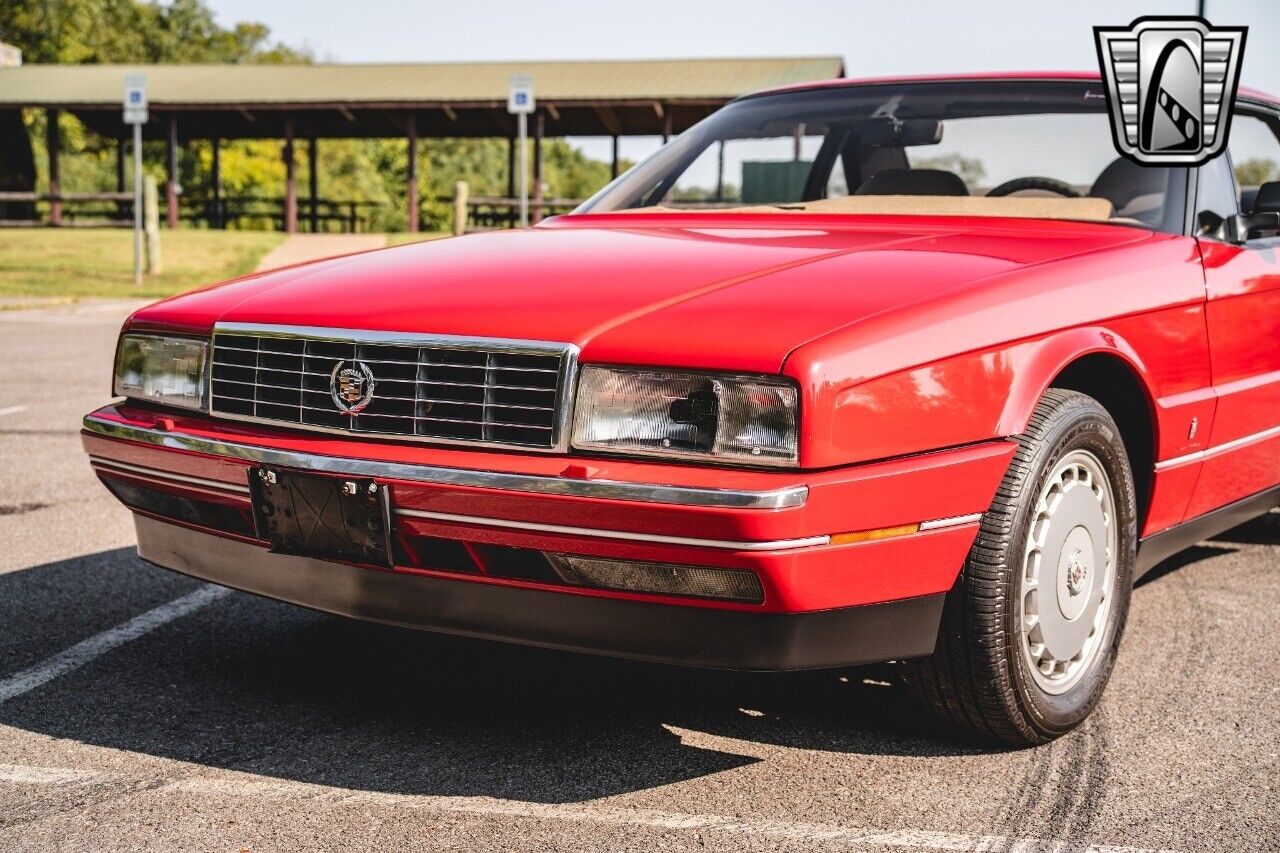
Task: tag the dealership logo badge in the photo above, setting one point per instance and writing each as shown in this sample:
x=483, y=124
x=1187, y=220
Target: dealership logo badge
x=351, y=386
x=1171, y=83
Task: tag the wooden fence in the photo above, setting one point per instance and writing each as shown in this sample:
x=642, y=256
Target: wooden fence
x=487, y=213
x=350, y=216
x=115, y=210
x=72, y=209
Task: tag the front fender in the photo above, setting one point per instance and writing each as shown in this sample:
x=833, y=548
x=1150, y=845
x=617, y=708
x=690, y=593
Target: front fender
x=991, y=394
x=1047, y=358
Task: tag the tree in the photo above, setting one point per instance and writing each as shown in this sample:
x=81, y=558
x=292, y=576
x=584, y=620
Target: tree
x=96, y=31
x=120, y=31
x=1252, y=173
x=184, y=31
x=970, y=169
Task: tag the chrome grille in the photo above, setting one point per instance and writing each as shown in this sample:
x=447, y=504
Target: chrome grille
x=436, y=388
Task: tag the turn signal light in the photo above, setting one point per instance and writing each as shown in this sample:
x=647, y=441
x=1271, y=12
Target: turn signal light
x=873, y=535
x=658, y=578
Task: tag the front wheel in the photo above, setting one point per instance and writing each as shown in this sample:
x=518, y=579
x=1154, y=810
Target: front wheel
x=1031, y=628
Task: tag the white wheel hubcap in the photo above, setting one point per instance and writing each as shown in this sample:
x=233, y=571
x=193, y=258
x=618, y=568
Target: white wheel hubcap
x=1069, y=573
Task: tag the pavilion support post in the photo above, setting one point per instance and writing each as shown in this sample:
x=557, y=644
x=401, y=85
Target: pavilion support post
x=313, y=184
x=539, y=128
x=411, y=133
x=290, y=181
x=121, y=157
x=216, y=218
x=122, y=153
x=511, y=167
x=666, y=125
x=171, y=188
x=53, y=143
x=613, y=166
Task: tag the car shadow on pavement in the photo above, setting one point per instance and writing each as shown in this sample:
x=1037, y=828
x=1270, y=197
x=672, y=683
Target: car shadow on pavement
x=1264, y=530
x=1183, y=559
x=252, y=685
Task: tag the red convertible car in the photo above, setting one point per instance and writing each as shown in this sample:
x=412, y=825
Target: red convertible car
x=914, y=370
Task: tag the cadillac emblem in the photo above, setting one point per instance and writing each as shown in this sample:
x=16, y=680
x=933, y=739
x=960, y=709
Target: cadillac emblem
x=351, y=386
x=1170, y=85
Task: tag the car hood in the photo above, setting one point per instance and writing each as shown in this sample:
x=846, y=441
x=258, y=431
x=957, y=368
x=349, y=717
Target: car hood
x=693, y=290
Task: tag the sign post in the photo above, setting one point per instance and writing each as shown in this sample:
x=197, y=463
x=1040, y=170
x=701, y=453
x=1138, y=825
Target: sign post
x=520, y=103
x=135, y=113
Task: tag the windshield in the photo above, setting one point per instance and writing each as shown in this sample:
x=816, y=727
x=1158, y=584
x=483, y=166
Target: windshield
x=1038, y=149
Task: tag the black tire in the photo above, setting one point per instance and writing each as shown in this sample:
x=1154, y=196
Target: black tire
x=977, y=680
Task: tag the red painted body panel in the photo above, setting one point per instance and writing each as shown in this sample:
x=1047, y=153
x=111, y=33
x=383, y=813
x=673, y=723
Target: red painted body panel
x=1244, y=331
x=906, y=333
x=799, y=581
x=920, y=345
x=941, y=485
x=893, y=383
x=887, y=494
x=692, y=282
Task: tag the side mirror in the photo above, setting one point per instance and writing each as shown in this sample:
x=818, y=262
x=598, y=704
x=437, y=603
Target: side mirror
x=1237, y=229
x=1262, y=221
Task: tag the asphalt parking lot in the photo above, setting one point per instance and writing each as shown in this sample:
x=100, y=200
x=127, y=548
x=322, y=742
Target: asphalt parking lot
x=140, y=710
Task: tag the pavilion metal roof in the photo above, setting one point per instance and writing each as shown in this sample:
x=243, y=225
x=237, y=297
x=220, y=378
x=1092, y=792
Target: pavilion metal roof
x=210, y=85
x=444, y=99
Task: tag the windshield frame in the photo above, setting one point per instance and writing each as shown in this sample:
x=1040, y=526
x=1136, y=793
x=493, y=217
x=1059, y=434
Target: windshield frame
x=1003, y=96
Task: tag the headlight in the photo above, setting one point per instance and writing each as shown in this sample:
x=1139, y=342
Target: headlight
x=168, y=371
x=713, y=417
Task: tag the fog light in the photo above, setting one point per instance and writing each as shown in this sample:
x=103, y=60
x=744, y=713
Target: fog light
x=658, y=578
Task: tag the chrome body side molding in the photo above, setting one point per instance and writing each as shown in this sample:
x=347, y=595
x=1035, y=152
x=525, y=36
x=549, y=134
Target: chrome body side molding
x=722, y=544
x=1228, y=447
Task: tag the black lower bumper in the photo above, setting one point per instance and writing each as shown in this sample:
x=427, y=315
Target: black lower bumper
x=678, y=634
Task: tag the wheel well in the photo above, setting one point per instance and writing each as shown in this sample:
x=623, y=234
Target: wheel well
x=1115, y=385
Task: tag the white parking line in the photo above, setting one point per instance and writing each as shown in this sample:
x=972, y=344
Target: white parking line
x=12, y=410
x=86, y=650
x=307, y=795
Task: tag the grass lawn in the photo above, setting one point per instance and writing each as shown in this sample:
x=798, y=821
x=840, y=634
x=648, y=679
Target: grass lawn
x=79, y=263
x=402, y=237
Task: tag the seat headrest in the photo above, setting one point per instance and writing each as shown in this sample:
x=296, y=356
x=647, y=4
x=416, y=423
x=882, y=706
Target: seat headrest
x=1124, y=180
x=1266, y=198
x=913, y=182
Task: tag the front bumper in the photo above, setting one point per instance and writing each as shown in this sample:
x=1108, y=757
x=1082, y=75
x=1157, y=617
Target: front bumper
x=827, y=600
x=689, y=636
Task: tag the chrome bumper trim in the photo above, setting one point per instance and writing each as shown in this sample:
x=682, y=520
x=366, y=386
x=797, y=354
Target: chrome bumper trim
x=789, y=496
x=168, y=476
x=944, y=523
x=722, y=544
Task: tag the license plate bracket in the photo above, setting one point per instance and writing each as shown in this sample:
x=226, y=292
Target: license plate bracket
x=312, y=515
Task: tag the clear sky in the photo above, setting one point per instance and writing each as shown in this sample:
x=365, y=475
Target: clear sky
x=875, y=37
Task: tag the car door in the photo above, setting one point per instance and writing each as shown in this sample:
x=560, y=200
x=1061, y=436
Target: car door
x=1243, y=316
